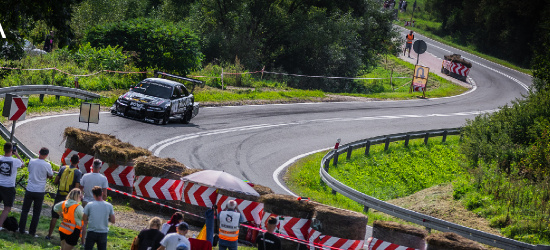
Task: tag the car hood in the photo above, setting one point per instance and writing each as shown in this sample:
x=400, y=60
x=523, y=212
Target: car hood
x=151, y=100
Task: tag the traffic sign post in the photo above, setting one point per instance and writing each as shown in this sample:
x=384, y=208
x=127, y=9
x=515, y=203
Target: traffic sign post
x=420, y=79
x=419, y=47
x=15, y=108
x=89, y=113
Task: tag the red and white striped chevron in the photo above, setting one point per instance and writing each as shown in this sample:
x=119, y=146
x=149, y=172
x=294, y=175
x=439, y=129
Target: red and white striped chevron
x=84, y=164
x=118, y=175
x=293, y=227
x=159, y=188
x=376, y=244
x=418, y=88
x=457, y=68
x=317, y=239
x=252, y=210
x=199, y=195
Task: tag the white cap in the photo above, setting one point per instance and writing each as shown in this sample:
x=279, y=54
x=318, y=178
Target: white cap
x=232, y=204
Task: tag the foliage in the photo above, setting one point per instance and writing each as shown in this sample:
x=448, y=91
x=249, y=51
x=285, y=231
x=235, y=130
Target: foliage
x=506, y=29
x=159, y=45
x=312, y=37
x=92, y=58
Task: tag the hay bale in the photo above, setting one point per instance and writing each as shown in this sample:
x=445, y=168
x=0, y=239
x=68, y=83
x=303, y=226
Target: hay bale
x=451, y=241
x=113, y=151
x=399, y=234
x=161, y=167
x=287, y=205
x=238, y=195
x=341, y=223
x=457, y=58
x=83, y=141
x=262, y=190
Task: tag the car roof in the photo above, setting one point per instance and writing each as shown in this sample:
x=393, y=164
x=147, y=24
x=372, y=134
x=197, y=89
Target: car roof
x=165, y=81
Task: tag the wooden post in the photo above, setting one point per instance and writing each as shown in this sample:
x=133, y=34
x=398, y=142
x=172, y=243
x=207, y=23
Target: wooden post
x=222, y=78
x=367, y=148
x=391, y=80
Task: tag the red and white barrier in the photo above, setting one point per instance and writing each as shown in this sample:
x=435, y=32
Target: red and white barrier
x=158, y=188
x=118, y=175
x=376, y=244
x=199, y=195
x=252, y=210
x=293, y=227
x=85, y=163
x=325, y=241
x=457, y=68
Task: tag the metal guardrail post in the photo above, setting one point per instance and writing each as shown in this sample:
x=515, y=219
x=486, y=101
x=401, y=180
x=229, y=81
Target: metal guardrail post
x=444, y=136
x=427, y=136
x=367, y=147
x=407, y=138
x=387, y=146
x=348, y=156
x=335, y=160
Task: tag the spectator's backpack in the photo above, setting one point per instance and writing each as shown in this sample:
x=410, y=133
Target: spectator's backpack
x=66, y=181
x=11, y=224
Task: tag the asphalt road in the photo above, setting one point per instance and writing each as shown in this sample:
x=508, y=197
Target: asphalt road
x=251, y=142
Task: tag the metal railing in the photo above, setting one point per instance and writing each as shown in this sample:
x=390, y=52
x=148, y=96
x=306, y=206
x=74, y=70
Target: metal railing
x=402, y=213
x=48, y=90
x=5, y=133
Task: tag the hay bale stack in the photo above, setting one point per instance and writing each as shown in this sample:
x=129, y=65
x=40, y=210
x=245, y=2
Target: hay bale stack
x=83, y=141
x=451, y=241
x=262, y=190
x=457, y=58
x=167, y=168
x=399, y=234
x=287, y=205
x=116, y=152
x=341, y=223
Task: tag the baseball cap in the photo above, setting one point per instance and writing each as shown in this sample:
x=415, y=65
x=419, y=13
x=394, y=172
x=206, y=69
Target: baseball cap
x=182, y=246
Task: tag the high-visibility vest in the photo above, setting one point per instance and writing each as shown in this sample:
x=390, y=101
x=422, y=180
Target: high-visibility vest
x=69, y=222
x=229, y=225
x=410, y=38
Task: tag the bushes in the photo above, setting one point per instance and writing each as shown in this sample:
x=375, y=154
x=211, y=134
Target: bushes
x=159, y=45
x=95, y=59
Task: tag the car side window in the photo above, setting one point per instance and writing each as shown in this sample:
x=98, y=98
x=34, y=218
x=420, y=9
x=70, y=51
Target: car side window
x=185, y=92
x=177, y=92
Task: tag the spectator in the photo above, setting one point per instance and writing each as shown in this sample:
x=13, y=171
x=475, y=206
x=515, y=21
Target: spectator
x=150, y=238
x=172, y=240
x=268, y=240
x=8, y=173
x=182, y=246
x=172, y=224
x=91, y=180
x=67, y=179
x=97, y=215
x=48, y=42
x=39, y=172
x=230, y=219
x=408, y=44
x=72, y=212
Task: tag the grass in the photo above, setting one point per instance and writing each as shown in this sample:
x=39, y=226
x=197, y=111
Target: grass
x=372, y=175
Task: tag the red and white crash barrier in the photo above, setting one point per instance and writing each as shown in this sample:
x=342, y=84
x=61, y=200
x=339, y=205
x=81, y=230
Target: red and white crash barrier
x=316, y=239
x=293, y=227
x=118, y=175
x=158, y=188
x=376, y=244
x=196, y=194
x=457, y=68
x=418, y=88
x=251, y=210
x=85, y=163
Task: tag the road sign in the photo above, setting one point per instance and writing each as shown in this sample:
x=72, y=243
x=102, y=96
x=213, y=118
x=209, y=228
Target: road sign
x=420, y=79
x=419, y=46
x=89, y=113
x=15, y=107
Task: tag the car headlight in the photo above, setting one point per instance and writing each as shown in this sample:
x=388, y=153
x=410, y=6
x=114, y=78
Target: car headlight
x=156, y=108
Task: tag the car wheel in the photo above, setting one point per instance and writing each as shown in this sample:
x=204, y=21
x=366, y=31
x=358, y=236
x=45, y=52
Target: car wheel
x=166, y=117
x=186, y=117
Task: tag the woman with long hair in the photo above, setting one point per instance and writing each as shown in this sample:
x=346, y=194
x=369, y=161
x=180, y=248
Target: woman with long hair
x=172, y=224
x=71, y=212
x=149, y=238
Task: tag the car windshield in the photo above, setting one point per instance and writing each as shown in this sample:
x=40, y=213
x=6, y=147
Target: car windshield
x=153, y=89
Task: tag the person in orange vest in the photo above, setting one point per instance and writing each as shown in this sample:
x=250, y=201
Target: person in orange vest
x=408, y=44
x=71, y=212
x=230, y=219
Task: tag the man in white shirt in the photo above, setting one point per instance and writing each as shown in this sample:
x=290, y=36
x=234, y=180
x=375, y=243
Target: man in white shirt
x=90, y=180
x=97, y=215
x=39, y=172
x=8, y=173
x=172, y=240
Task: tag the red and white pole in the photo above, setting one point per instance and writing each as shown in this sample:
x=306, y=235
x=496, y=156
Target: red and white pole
x=337, y=143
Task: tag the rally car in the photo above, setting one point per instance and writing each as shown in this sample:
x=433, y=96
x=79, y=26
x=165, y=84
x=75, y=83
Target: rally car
x=156, y=100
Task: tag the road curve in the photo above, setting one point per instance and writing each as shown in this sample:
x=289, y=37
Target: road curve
x=251, y=142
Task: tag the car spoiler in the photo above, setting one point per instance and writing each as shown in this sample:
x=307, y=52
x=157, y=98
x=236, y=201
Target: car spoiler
x=191, y=80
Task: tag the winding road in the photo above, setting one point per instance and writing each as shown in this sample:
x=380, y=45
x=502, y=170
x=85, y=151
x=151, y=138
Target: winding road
x=252, y=142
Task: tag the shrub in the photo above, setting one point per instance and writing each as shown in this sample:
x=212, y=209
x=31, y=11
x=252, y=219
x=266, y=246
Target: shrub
x=95, y=59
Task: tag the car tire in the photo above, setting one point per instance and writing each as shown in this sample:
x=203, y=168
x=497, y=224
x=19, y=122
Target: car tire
x=166, y=117
x=186, y=117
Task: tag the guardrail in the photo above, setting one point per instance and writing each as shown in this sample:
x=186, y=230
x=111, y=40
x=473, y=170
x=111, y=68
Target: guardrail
x=5, y=133
x=402, y=213
x=48, y=90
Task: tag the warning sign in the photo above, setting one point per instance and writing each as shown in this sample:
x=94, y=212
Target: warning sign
x=420, y=79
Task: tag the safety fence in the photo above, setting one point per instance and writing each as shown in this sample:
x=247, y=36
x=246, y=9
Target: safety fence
x=48, y=90
x=402, y=213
